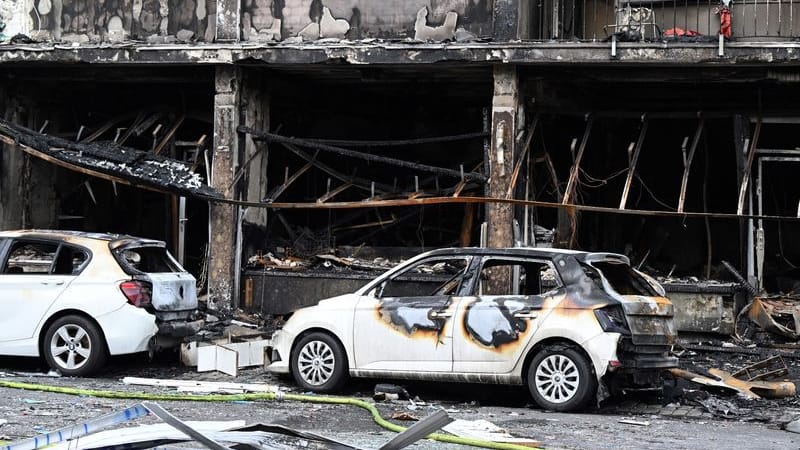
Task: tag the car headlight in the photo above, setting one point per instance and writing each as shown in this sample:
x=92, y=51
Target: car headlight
x=612, y=319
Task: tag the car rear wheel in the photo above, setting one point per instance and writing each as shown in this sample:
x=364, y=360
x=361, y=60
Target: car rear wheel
x=319, y=363
x=74, y=346
x=560, y=378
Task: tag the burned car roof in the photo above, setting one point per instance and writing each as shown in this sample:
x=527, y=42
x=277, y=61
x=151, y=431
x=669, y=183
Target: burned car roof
x=116, y=240
x=540, y=252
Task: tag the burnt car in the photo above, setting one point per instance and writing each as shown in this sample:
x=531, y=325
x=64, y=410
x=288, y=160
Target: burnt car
x=562, y=322
x=74, y=298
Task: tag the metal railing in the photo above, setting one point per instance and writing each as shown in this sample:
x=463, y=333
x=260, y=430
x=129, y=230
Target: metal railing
x=648, y=20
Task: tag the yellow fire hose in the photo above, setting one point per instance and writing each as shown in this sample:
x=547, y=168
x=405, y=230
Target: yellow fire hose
x=263, y=396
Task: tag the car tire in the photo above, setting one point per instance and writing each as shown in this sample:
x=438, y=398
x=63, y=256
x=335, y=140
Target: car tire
x=74, y=346
x=319, y=363
x=560, y=378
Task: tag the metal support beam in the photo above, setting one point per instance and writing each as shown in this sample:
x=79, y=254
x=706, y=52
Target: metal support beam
x=525, y=148
x=748, y=166
x=633, y=160
x=576, y=166
x=687, y=163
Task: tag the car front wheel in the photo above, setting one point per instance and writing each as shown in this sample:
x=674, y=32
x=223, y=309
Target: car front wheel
x=560, y=378
x=319, y=363
x=74, y=346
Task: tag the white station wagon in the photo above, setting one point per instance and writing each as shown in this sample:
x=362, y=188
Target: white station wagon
x=75, y=298
x=561, y=322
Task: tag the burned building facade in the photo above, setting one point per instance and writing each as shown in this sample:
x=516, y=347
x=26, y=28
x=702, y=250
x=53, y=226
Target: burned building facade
x=658, y=129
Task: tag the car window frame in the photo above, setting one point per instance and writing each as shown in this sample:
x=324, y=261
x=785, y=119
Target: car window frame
x=379, y=284
x=5, y=253
x=117, y=250
x=486, y=258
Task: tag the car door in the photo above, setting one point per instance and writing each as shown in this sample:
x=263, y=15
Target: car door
x=496, y=323
x=34, y=273
x=405, y=323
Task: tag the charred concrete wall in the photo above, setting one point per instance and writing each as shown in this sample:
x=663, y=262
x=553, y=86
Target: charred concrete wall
x=159, y=21
x=357, y=19
x=117, y=20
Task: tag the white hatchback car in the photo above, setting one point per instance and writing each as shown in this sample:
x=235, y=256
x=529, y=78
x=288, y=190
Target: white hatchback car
x=561, y=322
x=75, y=298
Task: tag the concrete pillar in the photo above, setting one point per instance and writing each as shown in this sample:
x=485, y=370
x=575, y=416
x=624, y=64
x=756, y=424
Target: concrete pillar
x=505, y=103
x=222, y=241
x=506, y=19
x=228, y=19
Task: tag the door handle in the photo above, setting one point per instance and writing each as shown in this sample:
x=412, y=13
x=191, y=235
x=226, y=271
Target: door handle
x=440, y=314
x=53, y=282
x=528, y=315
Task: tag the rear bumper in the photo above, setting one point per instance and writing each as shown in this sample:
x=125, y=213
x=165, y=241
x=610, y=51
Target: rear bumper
x=128, y=330
x=179, y=328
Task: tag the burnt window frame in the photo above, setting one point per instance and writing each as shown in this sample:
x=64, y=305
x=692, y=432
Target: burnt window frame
x=475, y=291
x=379, y=288
x=117, y=253
x=9, y=244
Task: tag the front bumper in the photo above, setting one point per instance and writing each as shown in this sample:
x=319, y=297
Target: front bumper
x=280, y=352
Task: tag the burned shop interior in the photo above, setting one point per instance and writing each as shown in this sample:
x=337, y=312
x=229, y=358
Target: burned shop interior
x=334, y=165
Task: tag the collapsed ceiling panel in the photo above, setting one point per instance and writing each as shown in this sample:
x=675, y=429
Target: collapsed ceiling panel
x=111, y=161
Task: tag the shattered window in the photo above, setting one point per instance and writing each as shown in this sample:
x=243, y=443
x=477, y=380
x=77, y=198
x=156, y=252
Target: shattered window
x=512, y=277
x=431, y=277
x=69, y=261
x=30, y=258
x=622, y=278
x=148, y=260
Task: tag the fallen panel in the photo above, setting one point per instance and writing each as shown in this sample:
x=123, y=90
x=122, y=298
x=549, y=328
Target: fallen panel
x=110, y=161
x=217, y=357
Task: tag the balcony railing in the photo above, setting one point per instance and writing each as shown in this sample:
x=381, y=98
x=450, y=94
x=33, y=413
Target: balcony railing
x=648, y=20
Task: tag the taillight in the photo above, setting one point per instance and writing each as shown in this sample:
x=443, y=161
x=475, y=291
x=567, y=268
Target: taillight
x=137, y=292
x=612, y=319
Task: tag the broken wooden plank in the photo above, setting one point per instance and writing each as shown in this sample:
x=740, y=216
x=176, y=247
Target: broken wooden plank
x=360, y=183
x=687, y=164
x=330, y=194
x=170, y=134
x=576, y=166
x=289, y=180
x=633, y=161
x=747, y=168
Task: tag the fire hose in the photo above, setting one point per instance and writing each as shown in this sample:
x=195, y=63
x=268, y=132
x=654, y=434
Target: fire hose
x=261, y=396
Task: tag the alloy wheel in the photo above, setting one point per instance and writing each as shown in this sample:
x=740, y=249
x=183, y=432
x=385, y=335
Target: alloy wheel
x=70, y=346
x=557, y=378
x=316, y=363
